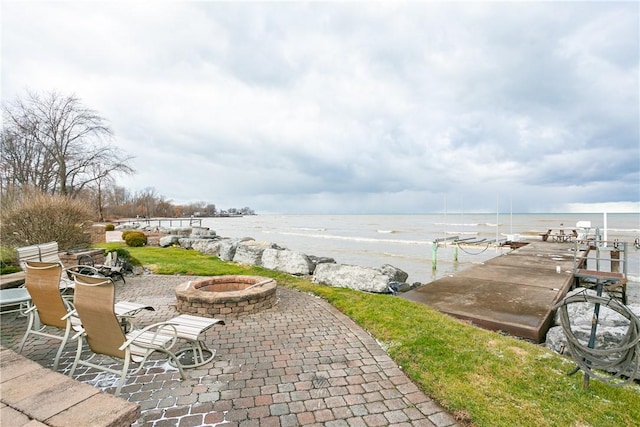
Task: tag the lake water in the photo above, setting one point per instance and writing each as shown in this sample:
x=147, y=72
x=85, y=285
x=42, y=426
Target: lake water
x=405, y=241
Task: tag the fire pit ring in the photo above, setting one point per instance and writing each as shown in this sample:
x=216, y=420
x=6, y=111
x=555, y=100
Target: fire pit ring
x=225, y=295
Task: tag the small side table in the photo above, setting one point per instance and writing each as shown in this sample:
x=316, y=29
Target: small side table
x=13, y=297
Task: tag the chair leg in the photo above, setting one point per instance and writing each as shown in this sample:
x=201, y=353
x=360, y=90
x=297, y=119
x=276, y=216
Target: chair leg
x=67, y=331
x=123, y=375
x=200, y=354
x=27, y=332
x=77, y=358
x=202, y=349
x=178, y=365
x=116, y=275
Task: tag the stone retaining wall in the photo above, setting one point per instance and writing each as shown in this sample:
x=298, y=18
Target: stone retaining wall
x=70, y=259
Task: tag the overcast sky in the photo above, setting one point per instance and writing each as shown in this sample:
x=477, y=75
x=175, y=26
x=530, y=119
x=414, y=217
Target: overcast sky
x=351, y=107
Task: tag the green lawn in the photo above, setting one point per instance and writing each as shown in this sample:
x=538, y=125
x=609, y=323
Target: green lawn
x=482, y=377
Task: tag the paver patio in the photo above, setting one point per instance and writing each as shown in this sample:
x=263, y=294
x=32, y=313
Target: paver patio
x=301, y=362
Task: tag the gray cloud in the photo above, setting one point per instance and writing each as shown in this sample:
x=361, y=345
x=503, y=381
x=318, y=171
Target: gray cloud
x=351, y=107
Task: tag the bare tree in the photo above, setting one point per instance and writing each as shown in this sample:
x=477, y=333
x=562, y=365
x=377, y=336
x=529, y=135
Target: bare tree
x=210, y=209
x=24, y=163
x=103, y=180
x=54, y=143
x=146, y=202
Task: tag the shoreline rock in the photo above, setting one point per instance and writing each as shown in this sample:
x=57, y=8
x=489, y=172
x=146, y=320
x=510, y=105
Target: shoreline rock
x=359, y=278
x=385, y=279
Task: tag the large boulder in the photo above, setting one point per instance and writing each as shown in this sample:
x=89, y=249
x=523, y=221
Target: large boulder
x=287, y=261
x=202, y=233
x=394, y=273
x=227, y=249
x=250, y=252
x=206, y=246
x=177, y=231
x=184, y=242
x=320, y=260
x=352, y=276
x=167, y=241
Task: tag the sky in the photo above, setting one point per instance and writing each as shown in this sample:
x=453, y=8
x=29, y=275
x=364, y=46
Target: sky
x=351, y=107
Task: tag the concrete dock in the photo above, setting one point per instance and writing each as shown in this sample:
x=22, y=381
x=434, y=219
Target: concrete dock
x=513, y=293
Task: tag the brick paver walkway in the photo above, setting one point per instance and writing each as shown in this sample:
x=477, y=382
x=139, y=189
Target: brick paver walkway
x=299, y=363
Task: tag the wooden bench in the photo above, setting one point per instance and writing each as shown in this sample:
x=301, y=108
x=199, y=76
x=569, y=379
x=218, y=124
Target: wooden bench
x=546, y=235
x=33, y=395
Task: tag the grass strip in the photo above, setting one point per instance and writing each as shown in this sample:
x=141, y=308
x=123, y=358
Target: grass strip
x=482, y=377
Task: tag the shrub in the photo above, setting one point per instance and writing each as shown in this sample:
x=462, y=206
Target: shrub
x=123, y=254
x=125, y=233
x=109, y=227
x=39, y=218
x=135, y=239
x=8, y=260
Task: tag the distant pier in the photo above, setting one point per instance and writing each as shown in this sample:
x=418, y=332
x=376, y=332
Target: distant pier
x=513, y=293
x=161, y=222
x=171, y=222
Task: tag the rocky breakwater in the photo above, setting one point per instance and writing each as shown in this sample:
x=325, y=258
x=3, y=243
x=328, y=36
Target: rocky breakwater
x=322, y=270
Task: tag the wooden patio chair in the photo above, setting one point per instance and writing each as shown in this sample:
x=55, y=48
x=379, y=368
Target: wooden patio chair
x=94, y=301
x=49, y=309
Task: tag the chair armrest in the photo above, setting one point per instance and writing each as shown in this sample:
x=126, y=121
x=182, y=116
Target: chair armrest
x=69, y=314
x=78, y=334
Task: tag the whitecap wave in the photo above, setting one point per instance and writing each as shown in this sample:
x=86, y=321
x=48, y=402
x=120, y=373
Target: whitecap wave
x=309, y=229
x=453, y=224
x=352, y=238
x=470, y=233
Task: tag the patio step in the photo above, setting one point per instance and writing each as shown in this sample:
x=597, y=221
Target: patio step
x=29, y=392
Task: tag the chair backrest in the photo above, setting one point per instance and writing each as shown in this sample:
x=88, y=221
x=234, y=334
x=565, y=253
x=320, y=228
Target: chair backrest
x=44, y=252
x=42, y=280
x=49, y=252
x=94, y=299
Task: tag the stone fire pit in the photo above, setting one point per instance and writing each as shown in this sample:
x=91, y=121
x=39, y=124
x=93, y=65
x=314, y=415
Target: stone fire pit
x=226, y=295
